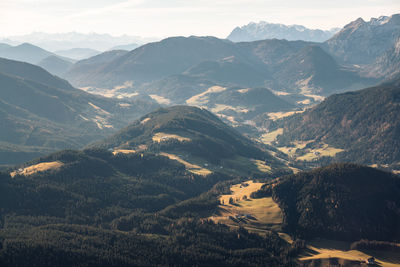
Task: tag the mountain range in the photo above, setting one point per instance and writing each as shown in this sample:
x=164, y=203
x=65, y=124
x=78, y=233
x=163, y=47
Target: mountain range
x=70, y=40
x=264, y=30
x=218, y=62
x=362, y=42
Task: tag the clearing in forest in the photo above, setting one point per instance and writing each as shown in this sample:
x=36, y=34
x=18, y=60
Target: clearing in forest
x=40, y=167
x=239, y=209
x=159, y=137
x=193, y=168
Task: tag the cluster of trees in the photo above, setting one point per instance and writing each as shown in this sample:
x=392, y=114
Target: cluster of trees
x=340, y=201
x=365, y=244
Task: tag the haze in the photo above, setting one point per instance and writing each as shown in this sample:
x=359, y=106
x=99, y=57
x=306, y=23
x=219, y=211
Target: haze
x=179, y=17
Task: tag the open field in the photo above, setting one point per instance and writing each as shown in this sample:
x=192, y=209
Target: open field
x=291, y=151
x=270, y=137
x=279, y=115
x=261, y=166
x=123, y=151
x=44, y=166
x=311, y=154
x=324, y=151
x=196, y=169
x=202, y=98
x=255, y=214
x=145, y=120
x=161, y=100
x=325, y=249
x=242, y=165
x=220, y=107
x=159, y=137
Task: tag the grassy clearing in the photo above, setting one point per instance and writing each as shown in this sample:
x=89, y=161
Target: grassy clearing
x=101, y=122
x=123, y=151
x=304, y=102
x=311, y=154
x=256, y=214
x=220, y=107
x=325, y=249
x=242, y=91
x=291, y=151
x=100, y=110
x=280, y=93
x=228, y=118
x=324, y=151
x=44, y=166
x=261, y=166
x=159, y=137
x=270, y=137
x=145, y=120
x=161, y=100
x=193, y=168
x=202, y=98
x=243, y=166
x=279, y=115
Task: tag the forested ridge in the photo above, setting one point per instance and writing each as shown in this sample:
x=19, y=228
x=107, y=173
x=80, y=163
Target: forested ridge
x=100, y=209
x=340, y=201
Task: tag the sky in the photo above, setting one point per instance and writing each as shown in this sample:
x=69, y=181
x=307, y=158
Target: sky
x=162, y=18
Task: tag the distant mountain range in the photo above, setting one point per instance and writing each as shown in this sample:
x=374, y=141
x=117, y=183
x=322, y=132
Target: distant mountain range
x=66, y=41
x=41, y=113
x=264, y=30
x=127, y=47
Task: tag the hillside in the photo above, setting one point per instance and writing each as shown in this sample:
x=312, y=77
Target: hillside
x=264, y=30
x=313, y=70
x=32, y=72
x=196, y=138
x=340, y=202
x=78, y=53
x=55, y=65
x=388, y=64
x=364, y=123
x=25, y=52
x=80, y=70
x=40, y=116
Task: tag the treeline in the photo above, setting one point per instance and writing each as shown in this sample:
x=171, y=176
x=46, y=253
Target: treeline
x=365, y=244
x=187, y=242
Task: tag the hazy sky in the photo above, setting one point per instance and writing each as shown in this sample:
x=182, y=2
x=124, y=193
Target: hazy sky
x=179, y=17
